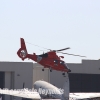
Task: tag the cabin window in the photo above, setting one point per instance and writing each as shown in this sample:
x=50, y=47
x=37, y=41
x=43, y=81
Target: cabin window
x=56, y=61
x=44, y=55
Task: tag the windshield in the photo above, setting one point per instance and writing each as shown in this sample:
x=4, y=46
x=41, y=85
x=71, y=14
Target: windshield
x=63, y=63
x=66, y=65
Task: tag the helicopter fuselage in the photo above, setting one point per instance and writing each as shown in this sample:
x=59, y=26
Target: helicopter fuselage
x=48, y=60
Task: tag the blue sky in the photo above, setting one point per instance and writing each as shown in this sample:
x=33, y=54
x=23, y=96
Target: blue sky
x=53, y=24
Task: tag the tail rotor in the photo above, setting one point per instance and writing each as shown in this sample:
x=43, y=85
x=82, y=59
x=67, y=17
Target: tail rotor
x=22, y=52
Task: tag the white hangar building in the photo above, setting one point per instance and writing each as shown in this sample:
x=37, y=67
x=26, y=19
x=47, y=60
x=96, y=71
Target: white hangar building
x=85, y=76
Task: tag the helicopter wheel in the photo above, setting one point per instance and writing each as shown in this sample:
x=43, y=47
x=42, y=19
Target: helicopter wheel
x=63, y=73
x=42, y=69
x=50, y=70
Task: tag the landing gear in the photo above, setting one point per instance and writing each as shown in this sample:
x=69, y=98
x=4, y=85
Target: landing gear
x=42, y=69
x=63, y=74
x=69, y=70
x=50, y=70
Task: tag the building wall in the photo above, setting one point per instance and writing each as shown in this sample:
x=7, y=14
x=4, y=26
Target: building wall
x=57, y=79
x=83, y=76
x=87, y=66
x=17, y=74
x=38, y=74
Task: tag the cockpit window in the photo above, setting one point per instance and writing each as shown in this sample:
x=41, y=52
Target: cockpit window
x=61, y=62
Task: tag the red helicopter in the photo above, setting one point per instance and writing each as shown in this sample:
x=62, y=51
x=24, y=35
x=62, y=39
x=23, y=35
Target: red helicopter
x=49, y=60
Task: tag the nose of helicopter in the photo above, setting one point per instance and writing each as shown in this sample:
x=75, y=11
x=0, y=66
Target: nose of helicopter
x=67, y=67
x=69, y=70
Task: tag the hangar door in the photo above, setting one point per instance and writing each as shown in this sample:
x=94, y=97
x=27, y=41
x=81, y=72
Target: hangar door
x=84, y=82
x=2, y=83
x=2, y=77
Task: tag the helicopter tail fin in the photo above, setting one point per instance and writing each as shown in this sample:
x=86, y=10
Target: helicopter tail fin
x=22, y=52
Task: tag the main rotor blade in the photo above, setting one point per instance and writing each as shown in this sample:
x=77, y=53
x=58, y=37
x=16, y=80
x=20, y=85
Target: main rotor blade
x=49, y=49
x=38, y=46
x=62, y=49
x=71, y=54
